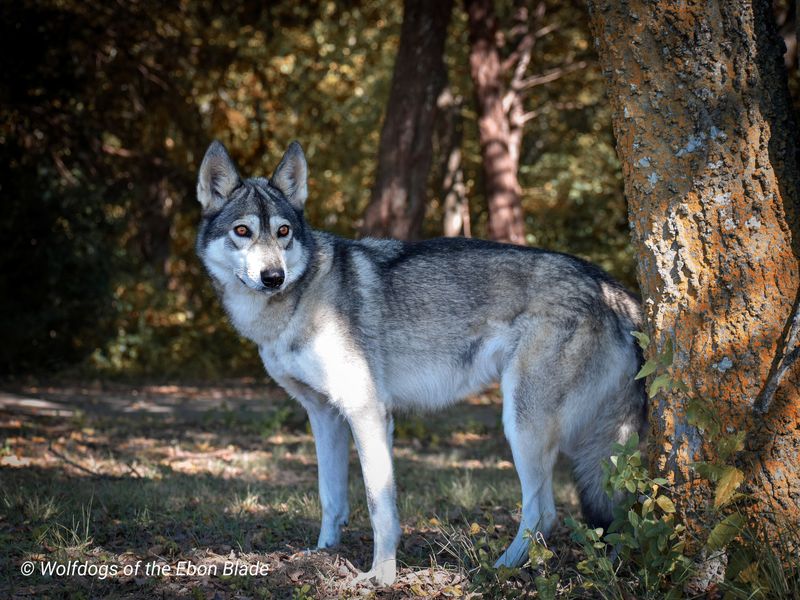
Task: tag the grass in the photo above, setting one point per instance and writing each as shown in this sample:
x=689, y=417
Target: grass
x=161, y=475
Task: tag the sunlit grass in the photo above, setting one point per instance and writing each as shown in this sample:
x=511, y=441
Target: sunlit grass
x=100, y=488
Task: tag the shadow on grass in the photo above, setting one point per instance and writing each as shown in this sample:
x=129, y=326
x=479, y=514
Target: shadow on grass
x=235, y=484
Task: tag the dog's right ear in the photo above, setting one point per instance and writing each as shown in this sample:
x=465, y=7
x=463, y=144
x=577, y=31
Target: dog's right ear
x=218, y=178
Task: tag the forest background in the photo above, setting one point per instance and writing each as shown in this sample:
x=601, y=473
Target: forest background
x=107, y=109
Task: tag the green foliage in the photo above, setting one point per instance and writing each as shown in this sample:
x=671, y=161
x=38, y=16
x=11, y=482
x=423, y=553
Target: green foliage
x=109, y=111
x=725, y=531
x=100, y=136
x=539, y=556
x=644, y=533
x=662, y=361
x=302, y=592
x=750, y=549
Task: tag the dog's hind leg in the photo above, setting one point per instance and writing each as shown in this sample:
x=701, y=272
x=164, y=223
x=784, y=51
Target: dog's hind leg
x=532, y=433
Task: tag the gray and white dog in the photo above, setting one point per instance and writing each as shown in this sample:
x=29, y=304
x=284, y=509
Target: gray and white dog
x=355, y=330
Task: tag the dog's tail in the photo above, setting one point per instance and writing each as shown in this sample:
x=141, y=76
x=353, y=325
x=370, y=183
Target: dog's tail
x=597, y=506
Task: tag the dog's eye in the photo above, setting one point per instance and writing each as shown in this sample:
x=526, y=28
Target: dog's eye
x=241, y=231
x=283, y=231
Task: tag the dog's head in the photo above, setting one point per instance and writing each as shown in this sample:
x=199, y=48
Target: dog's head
x=253, y=231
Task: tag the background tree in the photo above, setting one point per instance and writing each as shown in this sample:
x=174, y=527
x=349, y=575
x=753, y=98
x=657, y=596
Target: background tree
x=405, y=154
x=499, y=125
x=499, y=62
x=105, y=114
x=708, y=148
x=448, y=138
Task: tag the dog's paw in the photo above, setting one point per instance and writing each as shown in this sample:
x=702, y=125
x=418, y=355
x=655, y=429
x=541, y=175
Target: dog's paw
x=330, y=532
x=383, y=574
x=329, y=539
x=514, y=556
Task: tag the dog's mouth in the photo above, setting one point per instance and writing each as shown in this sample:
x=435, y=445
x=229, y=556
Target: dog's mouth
x=256, y=288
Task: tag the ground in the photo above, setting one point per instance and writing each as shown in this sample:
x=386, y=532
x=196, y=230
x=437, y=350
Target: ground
x=195, y=477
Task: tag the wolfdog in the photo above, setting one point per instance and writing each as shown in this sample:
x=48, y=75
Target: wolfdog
x=355, y=330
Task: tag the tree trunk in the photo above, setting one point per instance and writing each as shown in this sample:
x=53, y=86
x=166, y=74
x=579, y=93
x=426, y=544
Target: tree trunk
x=708, y=149
x=398, y=202
x=449, y=135
x=499, y=125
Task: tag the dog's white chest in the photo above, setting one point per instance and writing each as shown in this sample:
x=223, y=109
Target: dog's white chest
x=324, y=362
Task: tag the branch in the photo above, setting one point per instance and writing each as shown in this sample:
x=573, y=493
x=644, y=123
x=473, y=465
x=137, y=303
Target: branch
x=126, y=153
x=78, y=466
x=550, y=76
x=525, y=48
x=528, y=116
x=521, y=55
x=62, y=169
x=539, y=33
x=523, y=52
x=786, y=357
x=525, y=117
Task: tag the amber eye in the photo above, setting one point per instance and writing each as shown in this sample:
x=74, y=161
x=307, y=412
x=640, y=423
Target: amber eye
x=241, y=231
x=283, y=231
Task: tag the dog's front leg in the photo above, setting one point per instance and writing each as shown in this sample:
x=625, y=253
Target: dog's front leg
x=371, y=426
x=332, y=441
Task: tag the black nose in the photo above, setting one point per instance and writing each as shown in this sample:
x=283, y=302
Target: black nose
x=272, y=278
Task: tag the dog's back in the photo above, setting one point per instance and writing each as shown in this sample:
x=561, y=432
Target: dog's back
x=441, y=319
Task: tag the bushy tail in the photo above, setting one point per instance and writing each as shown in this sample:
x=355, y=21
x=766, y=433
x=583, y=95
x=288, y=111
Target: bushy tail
x=596, y=504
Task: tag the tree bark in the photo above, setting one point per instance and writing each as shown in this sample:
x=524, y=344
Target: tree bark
x=500, y=113
x=449, y=135
x=708, y=149
x=398, y=202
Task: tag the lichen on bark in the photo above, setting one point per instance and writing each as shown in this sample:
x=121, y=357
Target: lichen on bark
x=708, y=148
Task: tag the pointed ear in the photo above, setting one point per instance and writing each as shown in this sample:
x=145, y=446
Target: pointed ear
x=218, y=178
x=291, y=176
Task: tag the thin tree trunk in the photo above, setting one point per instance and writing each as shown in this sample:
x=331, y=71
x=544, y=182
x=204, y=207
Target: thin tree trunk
x=449, y=135
x=708, y=149
x=398, y=202
x=499, y=125
x=155, y=223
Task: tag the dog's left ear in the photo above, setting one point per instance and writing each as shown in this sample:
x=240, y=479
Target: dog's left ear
x=291, y=176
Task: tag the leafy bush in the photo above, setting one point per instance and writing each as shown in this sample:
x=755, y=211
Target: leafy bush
x=644, y=539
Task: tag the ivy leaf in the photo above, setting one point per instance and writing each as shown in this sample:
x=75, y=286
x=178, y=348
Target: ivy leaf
x=667, y=505
x=666, y=354
x=642, y=338
x=547, y=587
x=699, y=414
x=727, y=485
x=660, y=382
x=725, y=531
x=647, y=507
x=631, y=445
x=539, y=553
x=708, y=471
x=646, y=369
x=678, y=384
x=730, y=444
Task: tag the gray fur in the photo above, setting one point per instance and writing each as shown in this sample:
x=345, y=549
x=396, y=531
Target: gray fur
x=420, y=326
